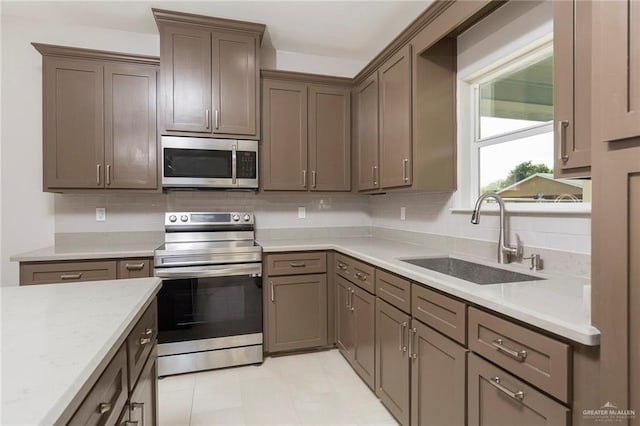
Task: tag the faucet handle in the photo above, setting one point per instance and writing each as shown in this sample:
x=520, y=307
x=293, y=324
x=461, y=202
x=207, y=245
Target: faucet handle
x=519, y=248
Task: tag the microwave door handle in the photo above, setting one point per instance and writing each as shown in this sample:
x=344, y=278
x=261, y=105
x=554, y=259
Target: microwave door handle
x=234, y=163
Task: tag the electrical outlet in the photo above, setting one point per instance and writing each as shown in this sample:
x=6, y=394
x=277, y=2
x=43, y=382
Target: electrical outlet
x=302, y=212
x=403, y=213
x=101, y=214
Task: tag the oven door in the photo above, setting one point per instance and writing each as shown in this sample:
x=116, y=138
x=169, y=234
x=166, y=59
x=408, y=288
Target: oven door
x=209, y=308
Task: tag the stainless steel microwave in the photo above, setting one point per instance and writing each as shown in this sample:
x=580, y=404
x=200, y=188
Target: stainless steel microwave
x=209, y=163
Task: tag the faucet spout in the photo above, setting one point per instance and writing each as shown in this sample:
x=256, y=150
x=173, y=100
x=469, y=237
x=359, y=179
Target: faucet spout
x=504, y=250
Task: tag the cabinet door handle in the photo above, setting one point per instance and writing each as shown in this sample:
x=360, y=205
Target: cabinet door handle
x=71, y=276
x=413, y=353
x=374, y=172
x=108, y=174
x=304, y=178
x=519, y=356
x=313, y=179
x=273, y=295
x=349, y=298
x=351, y=308
x=403, y=347
x=131, y=423
x=405, y=175
x=98, y=174
x=495, y=381
x=562, y=136
x=104, y=407
x=207, y=120
x=134, y=266
x=217, y=119
x=140, y=405
x=297, y=265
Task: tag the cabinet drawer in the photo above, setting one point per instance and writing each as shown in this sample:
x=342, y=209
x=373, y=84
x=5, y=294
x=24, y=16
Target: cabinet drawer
x=443, y=313
x=140, y=342
x=107, y=398
x=134, y=268
x=496, y=398
x=297, y=263
x=55, y=272
x=355, y=271
x=394, y=290
x=538, y=359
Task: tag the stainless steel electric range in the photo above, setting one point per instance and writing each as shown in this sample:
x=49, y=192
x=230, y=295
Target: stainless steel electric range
x=210, y=304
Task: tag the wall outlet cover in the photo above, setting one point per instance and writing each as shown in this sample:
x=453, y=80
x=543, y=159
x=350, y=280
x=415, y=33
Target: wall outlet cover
x=403, y=213
x=101, y=214
x=302, y=212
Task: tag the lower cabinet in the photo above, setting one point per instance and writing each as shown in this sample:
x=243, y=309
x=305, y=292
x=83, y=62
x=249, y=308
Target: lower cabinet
x=355, y=328
x=143, y=405
x=297, y=312
x=438, y=378
x=498, y=398
x=84, y=270
x=392, y=360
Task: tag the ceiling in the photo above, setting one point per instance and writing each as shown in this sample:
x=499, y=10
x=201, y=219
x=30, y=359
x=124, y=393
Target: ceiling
x=345, y=29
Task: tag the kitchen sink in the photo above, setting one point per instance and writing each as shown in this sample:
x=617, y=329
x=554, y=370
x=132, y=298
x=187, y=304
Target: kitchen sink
x=469, y=271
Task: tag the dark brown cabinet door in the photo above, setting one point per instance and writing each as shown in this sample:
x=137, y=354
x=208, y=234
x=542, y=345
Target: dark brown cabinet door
x=392, y=360
x=329, y=138
x=438, y=379
x=235, y=81
x=363, y=311
x=143, y=405
x=130, y=126
x=618, y=62
x=186, y=74
x=297, y=312
x=73, y=124
x=572, y=87
x=395, y=120
x=497, y=398
x=284, y=153
x=368, y=131
x=345, y=331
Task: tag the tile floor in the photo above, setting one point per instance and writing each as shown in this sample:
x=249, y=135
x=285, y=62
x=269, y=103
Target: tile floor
x=318, y=388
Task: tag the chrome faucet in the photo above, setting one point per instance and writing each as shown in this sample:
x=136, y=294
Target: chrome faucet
x=504, y=251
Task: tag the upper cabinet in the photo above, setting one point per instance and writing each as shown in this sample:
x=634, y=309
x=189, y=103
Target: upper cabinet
x=367, y=133
x=572, y=87
x=307, y=132
x=210, y=75
x=99, y=120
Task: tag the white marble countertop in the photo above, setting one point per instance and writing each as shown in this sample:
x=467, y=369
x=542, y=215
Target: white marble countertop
x=55, y=336
x=556, y=303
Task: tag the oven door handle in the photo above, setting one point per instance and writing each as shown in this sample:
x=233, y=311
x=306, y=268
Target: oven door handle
x=252, y=269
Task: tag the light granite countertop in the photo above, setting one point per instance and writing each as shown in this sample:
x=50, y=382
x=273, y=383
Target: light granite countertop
x=56, y=336
x=555, y=303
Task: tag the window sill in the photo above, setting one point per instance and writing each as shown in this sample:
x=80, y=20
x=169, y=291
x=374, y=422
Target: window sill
x=577, y=209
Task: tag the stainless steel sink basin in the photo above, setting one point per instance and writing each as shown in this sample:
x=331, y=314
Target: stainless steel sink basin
x=469, y=271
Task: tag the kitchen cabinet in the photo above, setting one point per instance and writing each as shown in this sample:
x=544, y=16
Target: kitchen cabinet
x=84, y=270
x=498, y=398
x=572, y=88
x=99, y=120
x=392, y=360
x=143, y=405
x=307, y=132
x=438, y=378
x=368, y=133
x=210, y=75
x=345, y=330
x=616, y=200
x=297, y=312
x=395, y=120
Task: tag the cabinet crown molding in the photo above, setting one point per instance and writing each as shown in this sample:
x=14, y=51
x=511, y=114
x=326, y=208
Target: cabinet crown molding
x=306, y=77
x=76, y=52
x=171, y=17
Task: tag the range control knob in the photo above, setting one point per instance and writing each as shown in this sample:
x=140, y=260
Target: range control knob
x=235, y=217
x=172, y=218
x=246, y=218
x=184, y=218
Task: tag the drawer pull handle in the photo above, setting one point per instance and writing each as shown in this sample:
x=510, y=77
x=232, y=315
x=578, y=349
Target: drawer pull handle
x=148, y=331
x=342, y=266
x=134, y=266
x=104, y=407
x=71, y=276
x=297, y=265
x=361, y=276
x=495, y=381
x=145, y=340
x=519, y=356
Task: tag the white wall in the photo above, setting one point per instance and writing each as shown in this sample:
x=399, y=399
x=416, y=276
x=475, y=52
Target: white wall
x=300, y=62
x=27, y=215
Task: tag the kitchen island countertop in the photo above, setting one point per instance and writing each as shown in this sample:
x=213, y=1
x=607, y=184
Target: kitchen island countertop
x=57, y=337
